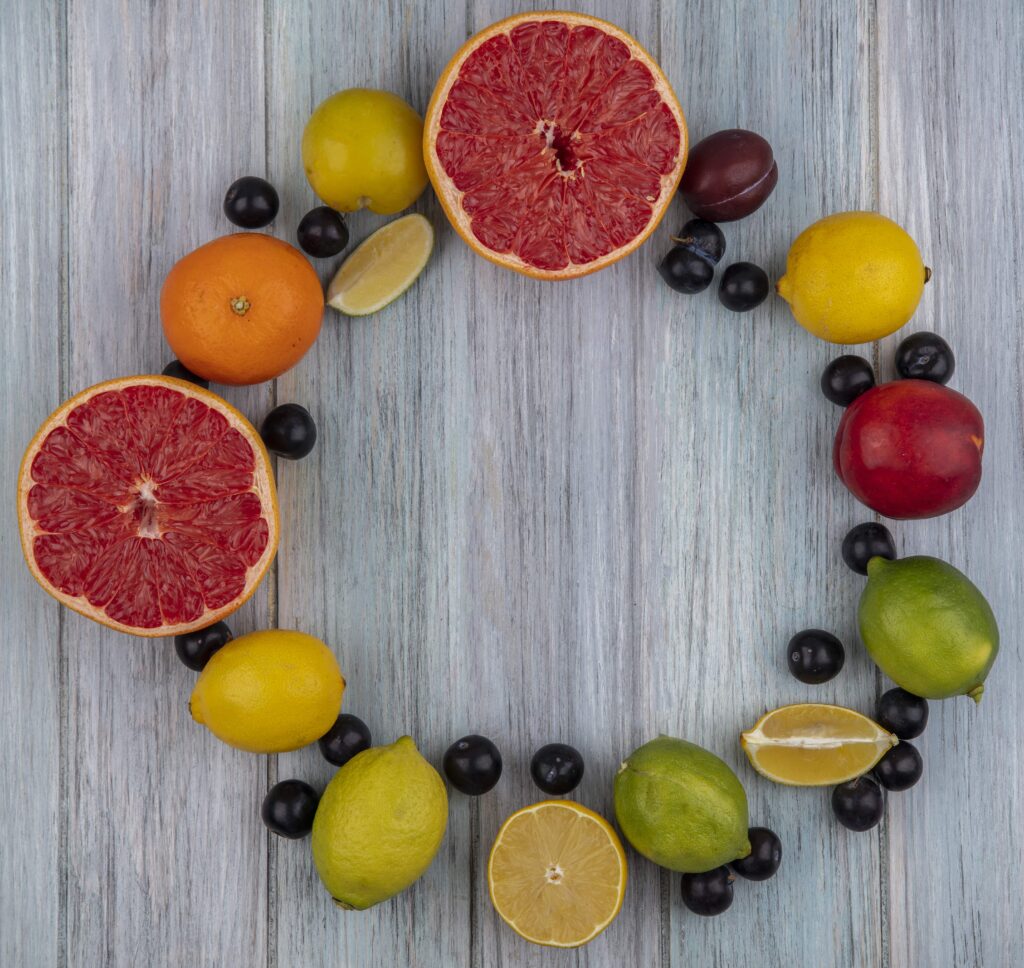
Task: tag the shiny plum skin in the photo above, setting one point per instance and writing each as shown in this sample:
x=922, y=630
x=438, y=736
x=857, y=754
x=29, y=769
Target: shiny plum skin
x=729, y=175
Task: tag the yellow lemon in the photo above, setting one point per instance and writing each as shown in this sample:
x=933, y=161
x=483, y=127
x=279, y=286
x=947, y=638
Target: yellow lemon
x=364, y=149
x=853, y=277
x=268, y=692
x=379, y=824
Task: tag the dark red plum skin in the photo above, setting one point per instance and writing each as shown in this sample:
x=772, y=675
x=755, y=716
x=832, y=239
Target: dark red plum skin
x=729, y=175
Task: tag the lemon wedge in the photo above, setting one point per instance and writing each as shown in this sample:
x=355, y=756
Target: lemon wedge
x=814, y=744
x=557, y=873
x=382, y=267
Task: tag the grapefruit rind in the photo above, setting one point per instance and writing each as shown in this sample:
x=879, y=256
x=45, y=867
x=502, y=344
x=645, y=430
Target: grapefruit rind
x=263, y=486
x=450, y=196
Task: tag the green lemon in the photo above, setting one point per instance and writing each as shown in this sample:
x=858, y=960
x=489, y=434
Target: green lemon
x=379, y=824
x=269, y=692
x=928, y=627
x=681, y=806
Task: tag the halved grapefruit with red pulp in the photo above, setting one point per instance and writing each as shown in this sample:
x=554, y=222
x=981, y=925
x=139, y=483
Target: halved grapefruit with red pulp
x=148, y=504
x=554, y=143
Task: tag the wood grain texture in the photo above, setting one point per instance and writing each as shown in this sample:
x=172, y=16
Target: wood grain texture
x=587, y=512
x=32, y=308
x=949, y=170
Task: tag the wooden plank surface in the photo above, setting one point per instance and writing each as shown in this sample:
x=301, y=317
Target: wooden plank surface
x=589, y=512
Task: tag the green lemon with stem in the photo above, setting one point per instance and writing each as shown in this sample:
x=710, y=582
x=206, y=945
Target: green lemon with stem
x=927, y=627
x=681, y=806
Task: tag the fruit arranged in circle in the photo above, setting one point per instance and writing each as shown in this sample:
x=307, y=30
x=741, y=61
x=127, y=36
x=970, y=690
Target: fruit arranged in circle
x=814, y=744
x=853, y=277
x=473, y=765
x=289, y=808
x=858, y=804
x=348, y=736
x=554, y=143
x=380, y=823
x=557, y=768
x=362, y=148
x=900, y=768
x=289, y=431
x=557, y=873
x=729, y=175
x=708, y=893
x=686, y=271
x=910, y=449
x=703, y=238
x=322, y=232
x=925, y=356
x=148, y=504
x=196, y=648
x=846, y=378
x=251, y=202
x=382, y=267
x=180, y=372
x=743, y=286
x=269, y=692
x=681, y=806
x=927, y=627
x=815, y=656
x=241, y=309
x=764, y=858
x=866, y=541
x=902, y=713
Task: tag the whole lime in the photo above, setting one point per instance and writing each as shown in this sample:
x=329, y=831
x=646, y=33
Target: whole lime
x=364, y=149
x=379, y=824
x=928, y=627
x=681, y=806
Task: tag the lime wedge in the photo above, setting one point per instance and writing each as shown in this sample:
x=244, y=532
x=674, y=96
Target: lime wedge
x=383, y=267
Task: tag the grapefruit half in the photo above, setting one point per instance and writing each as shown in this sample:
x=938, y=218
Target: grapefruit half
x=554, y=143
x=148, y=504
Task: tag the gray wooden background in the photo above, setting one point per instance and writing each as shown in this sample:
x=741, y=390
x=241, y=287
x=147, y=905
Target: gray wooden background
x=587, y=512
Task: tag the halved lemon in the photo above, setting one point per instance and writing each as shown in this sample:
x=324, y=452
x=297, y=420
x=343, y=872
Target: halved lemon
x=382, y=267
x=557, y=873
x=814, y=744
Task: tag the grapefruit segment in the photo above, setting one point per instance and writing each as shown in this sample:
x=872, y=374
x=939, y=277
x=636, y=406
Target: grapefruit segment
x=554, y=143
x=148, y=504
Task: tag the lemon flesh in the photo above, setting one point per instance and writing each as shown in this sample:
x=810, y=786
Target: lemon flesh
x=928, y=627
x=383, y=267
x=269, y=692
x=557, y=873
x=853, y=277
x=681, y=806
x=814, y=744
x=363, y=148
x=379, y=824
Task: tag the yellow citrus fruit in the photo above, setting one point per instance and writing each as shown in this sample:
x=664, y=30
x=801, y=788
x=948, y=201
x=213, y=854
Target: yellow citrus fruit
x=814, y=744
x=557, y=873
x=268, y=692
x=379, y=824
x=383, y=267
x=853, y=277
x=363, y=149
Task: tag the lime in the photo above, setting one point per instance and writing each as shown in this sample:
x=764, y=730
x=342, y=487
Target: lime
x=853, y=277
x=383, y=267
x=268, y=692
x=380, y=822
x=364, y=149
x=928, y=627
x=681, y=806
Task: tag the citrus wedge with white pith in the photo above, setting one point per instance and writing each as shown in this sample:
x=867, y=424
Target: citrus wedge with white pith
x=557, y=873
x=814, y=744
x=382, y=267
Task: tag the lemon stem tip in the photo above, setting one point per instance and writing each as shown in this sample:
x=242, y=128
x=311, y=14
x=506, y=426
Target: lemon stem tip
x=927, y=275
x=976, y=692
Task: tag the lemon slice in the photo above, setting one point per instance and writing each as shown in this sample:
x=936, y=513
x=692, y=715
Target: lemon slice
x=813, y=744
x=382, y=267
x=557, y=873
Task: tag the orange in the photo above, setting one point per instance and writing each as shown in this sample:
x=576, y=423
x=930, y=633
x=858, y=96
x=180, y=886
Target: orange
x=241, y=309
x=554, y=143
x=148, y=504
